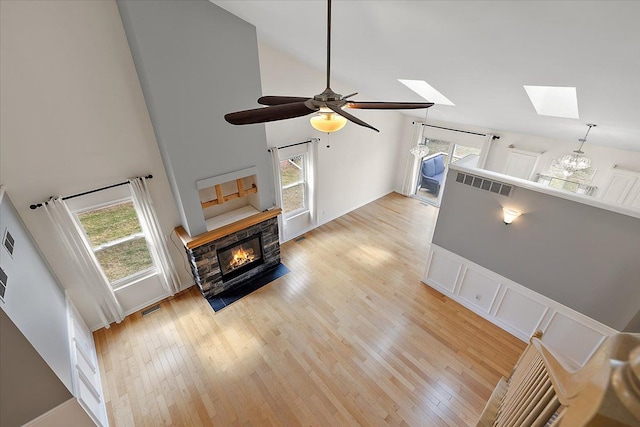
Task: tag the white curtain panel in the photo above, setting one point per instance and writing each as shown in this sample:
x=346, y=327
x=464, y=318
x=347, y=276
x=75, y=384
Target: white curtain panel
x=275, y=158
x=412, y=166
x=152, y=231
x=85, y=261
x=312, y=180
x=484, y=153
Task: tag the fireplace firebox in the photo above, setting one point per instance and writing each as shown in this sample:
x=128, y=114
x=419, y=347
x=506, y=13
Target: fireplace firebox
x=239, y=257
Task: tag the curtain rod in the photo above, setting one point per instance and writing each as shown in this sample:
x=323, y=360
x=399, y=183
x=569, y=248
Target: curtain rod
x=292, y=145
x=457, y=130
x=89, y=192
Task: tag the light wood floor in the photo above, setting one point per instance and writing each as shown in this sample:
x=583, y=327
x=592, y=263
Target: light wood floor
x=349, y=337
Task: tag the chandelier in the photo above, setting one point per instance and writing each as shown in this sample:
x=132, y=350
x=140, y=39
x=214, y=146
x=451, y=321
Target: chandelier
x=420, y=150
x=576, y=160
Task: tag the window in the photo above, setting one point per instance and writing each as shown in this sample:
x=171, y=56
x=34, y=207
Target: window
x=293, y=178
x=461, y=151
x=116, y=237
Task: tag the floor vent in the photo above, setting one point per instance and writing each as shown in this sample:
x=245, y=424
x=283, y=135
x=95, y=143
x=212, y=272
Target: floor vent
x=151, y=310
x=299, y=239
x=485, y=184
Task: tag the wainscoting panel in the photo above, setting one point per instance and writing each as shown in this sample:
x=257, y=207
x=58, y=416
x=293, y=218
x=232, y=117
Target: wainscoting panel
x=478, y=289
x=87, y=384
x=513, y=307
x=578, y=340
x=521, y=312
x=443, y=271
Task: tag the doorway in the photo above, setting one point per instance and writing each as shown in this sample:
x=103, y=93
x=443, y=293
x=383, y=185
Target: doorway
x=434, y=167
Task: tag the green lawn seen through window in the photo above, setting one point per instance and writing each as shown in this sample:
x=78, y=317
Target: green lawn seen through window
x=125, y=259
x=292, y=172
x=108, y=225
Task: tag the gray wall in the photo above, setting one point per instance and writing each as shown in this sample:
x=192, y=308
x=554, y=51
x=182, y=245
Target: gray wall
x=28, y=386
x=634, y=324
x=196, y=62
x=581, y=256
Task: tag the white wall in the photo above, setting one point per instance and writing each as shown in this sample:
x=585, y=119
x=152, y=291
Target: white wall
x=602, y=158
x=361, y=164
x=33, y=300
x=73, y=119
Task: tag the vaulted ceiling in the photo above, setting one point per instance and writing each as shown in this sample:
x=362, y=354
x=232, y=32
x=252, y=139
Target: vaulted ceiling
x=479, y=54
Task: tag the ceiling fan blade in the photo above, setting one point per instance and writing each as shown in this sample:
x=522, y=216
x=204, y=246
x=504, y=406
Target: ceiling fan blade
x=388, y=105
x=278, y=100
x=348, y=116
x=350, y=95
x=269, y=114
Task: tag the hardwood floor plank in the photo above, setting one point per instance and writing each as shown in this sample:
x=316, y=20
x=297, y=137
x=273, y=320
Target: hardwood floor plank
x=349, y=337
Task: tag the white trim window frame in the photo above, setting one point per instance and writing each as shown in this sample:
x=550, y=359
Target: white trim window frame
x=303, y=183
x=129, y=279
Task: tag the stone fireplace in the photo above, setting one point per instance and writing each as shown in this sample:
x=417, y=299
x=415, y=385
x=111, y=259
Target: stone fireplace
x=230, y=255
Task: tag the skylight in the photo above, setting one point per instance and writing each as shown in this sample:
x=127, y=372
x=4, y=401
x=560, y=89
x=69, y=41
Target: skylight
x=554, y=101
x=426, y=91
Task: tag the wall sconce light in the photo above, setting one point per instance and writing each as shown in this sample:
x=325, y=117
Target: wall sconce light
x=509, y=215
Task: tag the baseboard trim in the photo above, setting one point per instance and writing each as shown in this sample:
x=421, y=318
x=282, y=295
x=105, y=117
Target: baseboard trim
x=159, y=299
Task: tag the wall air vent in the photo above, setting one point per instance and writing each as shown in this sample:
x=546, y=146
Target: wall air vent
x=8, y=242
x=3, y=283
x=485, y=184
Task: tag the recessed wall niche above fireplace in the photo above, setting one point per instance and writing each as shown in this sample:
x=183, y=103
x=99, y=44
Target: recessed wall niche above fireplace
x=241, y=242
x=226, y=193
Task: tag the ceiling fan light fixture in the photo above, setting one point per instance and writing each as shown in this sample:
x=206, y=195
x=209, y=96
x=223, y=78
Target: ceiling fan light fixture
x=327, y=121
x=332, y=114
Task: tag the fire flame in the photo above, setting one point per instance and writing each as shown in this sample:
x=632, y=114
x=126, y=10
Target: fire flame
x=241, y=257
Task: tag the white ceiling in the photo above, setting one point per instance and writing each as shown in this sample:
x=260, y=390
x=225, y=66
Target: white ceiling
x=479, y=54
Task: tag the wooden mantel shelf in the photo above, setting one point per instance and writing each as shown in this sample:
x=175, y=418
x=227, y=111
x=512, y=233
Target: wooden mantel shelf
x=204, y=238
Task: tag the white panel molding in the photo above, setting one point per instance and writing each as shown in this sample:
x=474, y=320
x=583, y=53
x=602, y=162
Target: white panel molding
x=506, y=313
x=461, y=275
x=475, y=287
x=517, y=309
x=618, y=187
x=87, y=384
x=521, y=164
x=562, y=333
x=633, y=199
x=438, y=272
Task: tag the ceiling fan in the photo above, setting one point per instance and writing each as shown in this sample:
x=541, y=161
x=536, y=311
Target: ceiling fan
x=329, y=105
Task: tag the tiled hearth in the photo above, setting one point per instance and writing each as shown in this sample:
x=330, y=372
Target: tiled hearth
x=203, y=258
